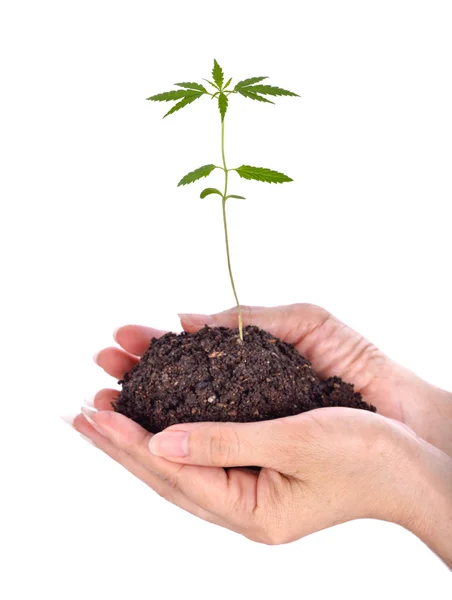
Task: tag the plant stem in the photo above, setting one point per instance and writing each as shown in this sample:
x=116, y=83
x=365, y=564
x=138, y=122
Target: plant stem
x=223, y=202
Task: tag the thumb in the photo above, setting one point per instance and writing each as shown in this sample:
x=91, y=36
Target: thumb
x=290, y=323
x=270, y=444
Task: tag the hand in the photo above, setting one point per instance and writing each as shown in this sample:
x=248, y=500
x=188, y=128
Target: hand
x=333, y=349
x=380, y=446
x=319, y=469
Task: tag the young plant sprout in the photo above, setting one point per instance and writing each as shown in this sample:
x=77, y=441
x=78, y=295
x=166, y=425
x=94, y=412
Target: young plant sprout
x=248, y=88
x=206, y=375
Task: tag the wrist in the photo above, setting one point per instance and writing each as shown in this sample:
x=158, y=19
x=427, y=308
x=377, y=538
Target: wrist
x=439, y=416
x=426, y=505
x=432, y=407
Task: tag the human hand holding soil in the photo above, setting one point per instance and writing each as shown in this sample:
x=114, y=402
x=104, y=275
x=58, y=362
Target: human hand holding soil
x=333, y=348
x=319, y=468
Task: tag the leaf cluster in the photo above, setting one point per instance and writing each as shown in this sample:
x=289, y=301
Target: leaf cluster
x=250, y=88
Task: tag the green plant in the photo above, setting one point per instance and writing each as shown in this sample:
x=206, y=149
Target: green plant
x=248, y=88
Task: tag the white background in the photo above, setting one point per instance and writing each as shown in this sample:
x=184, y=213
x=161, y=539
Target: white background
x=95, y=233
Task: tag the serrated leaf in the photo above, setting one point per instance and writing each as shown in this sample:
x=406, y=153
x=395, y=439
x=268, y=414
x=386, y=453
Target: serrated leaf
x=187, y=100
x=212, y=84
x=192, y=86
x=197, y=174
x=217, y=74
x=222, y=105
x=235, y=196
x=244, y=92
x=209, y=191
x=227, y=83
x=173, y=95
x=262, y=174
x=271, y=90
x=249, y=81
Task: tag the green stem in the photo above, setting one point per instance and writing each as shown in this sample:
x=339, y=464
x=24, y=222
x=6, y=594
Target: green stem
x=223, y=202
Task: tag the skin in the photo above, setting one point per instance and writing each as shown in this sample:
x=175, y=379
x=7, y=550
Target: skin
x=319, y=468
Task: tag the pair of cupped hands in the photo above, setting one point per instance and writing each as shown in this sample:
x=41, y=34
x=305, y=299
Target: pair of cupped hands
x=319, y=468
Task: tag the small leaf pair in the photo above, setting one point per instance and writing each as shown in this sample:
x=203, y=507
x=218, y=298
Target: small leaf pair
x=209, y=191
x=245, y=171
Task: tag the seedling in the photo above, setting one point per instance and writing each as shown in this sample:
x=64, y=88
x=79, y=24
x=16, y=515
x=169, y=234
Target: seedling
x=182, y=379
x=248, y=88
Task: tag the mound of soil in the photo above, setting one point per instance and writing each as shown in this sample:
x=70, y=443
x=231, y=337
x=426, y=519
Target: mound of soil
x=212, y=375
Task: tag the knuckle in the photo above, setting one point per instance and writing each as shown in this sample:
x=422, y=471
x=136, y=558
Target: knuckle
x=247, y=311
x=138, y=444
x=223, y=447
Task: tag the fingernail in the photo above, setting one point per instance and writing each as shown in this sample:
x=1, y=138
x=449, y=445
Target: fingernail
x=89, y=414
x=196, y=320
x=115, y=332
x=95, y=357
x=89, y=400
x=69, y=419
x=169, y=444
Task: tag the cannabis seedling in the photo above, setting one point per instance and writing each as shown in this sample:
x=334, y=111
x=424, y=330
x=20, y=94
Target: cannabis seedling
x=248, y=88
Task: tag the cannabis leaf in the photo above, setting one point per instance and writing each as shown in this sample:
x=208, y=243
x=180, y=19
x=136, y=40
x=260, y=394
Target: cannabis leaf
x=262, y=174
x=209, y=191
x=222, y=104
x=271, y=90
x=247, y=94
x=235, y=196
x=187, y=100
x=212, y=84
x=227, y=83
x=249, y=81
x=174, y=95
x=217, y=74
x=192, y=86
x=197, y=174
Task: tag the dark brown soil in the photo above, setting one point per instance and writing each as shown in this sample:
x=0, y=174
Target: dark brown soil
x=212, y=376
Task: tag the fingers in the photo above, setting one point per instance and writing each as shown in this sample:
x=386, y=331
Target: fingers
x=273, y=444
x=290, y=323
x=115, y=362
x=103, y=399
x=158, y=484
x=213, y=489
x=135, y=339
